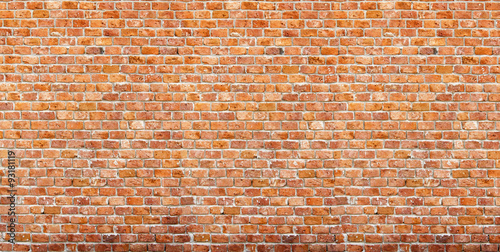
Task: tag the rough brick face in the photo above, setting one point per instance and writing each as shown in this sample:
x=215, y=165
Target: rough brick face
x=252, y=126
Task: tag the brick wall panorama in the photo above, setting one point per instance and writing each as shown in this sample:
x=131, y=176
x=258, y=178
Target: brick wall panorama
x=252, y=126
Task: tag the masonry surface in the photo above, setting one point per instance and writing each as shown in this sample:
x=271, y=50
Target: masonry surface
x=251, y=126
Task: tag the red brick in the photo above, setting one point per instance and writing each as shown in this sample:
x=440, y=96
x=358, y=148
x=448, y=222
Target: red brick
x=254, y=125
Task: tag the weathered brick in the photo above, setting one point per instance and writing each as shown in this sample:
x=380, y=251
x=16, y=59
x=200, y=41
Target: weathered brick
x=252, y=125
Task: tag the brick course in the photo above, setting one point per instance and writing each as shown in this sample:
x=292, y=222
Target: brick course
x=252, y=126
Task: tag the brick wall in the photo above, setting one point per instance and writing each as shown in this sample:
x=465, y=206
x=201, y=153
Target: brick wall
x=252, y=126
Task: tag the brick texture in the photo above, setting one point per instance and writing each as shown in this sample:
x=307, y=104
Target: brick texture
x=252, y=126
